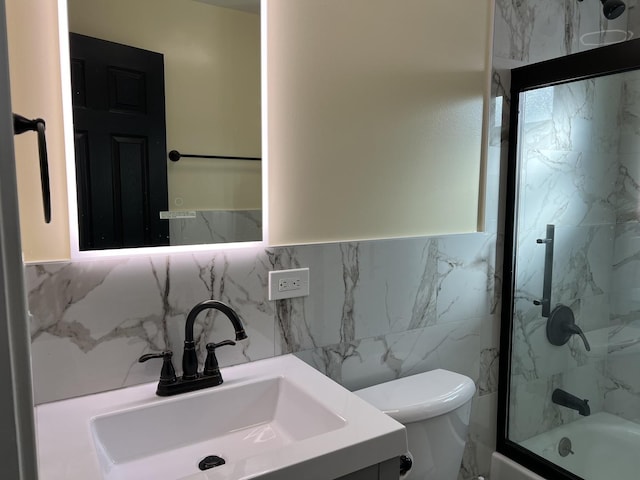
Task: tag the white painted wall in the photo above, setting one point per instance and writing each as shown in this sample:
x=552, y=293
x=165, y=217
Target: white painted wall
x=375, y=112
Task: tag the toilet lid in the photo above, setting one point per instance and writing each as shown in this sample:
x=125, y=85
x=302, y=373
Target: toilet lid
x=421, y=396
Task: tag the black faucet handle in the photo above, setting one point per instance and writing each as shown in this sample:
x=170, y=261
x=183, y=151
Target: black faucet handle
x=168, y=373
x=211, y=363
x=212, y=346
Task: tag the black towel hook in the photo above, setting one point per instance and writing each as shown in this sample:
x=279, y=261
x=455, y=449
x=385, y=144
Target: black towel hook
x=21, y=125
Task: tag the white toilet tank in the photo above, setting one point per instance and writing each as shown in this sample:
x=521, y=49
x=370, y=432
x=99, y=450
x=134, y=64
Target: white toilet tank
x=434, y=407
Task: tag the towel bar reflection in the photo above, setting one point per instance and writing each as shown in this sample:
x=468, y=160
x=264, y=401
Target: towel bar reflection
x=175, y=155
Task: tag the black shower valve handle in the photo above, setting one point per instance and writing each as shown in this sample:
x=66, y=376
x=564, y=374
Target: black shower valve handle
x=576, y=330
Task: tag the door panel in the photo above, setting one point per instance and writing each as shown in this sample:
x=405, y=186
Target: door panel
x=119, y=122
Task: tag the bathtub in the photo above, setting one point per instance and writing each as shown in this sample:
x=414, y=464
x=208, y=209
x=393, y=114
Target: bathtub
x=604, y=446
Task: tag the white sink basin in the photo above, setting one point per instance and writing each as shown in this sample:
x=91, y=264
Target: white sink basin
x=169, y=439
x=273, y=419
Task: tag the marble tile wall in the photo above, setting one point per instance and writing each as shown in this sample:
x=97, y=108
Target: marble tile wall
x=623, y=390
x=578, y=178
x=377, y=311
x=217, y=226
x=568, y=173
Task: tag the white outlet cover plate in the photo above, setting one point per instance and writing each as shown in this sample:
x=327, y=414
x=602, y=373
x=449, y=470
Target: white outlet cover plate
x=293, y=274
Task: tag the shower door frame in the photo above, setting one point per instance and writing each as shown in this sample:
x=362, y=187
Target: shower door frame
x=602, y=61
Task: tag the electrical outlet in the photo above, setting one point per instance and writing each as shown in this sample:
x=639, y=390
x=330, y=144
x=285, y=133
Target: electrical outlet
x=288, y=283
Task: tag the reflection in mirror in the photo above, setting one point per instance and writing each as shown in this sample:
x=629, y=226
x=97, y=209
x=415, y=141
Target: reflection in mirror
x=151, y=76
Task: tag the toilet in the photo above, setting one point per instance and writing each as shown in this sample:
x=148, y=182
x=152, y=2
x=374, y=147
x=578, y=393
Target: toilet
x=434, y=407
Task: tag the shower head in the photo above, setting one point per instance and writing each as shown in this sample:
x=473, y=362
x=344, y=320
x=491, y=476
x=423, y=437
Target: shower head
x=612, y=8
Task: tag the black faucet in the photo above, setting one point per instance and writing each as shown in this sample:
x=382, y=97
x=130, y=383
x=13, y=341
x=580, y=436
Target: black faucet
x=191, y=379
x=565, y=399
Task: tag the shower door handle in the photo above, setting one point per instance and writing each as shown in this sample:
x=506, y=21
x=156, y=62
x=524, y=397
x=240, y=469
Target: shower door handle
x=21, y=125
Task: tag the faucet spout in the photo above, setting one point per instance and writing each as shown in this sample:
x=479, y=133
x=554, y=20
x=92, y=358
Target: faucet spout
x=190, y=358
x=560, y=397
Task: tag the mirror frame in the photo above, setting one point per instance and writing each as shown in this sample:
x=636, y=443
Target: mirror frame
x=72, y=202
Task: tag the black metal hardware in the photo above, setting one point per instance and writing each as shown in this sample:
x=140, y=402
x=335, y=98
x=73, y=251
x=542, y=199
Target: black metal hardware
x=21, y=125
x=211, y=368
x=168, y=373
x=564, y=447
x=565, y=399
x=405, y=464
x=561, y=326
x=175, y=155
x=211, y=461
x=548, y=271
x=191, y=379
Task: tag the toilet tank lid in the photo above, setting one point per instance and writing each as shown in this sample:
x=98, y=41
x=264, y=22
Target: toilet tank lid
x=422, y=396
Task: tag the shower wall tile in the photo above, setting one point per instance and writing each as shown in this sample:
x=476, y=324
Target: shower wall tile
x=623, y=393
x=626, y=259
x=536, y=413
x=627, y=191
x=581, y=174
x=622, y=396
x=582, y=264
x=536, y=30
x=529, y=31
x=534, y=358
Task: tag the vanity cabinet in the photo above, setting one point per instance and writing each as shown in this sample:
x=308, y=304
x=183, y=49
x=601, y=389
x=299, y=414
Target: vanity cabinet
x=387, y=470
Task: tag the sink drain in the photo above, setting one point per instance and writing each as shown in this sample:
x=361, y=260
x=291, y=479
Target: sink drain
x=211, y=461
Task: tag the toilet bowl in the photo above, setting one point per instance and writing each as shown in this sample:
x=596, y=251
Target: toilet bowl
x=435, y=408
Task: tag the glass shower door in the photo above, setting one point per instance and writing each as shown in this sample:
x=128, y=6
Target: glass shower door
x=573, y=397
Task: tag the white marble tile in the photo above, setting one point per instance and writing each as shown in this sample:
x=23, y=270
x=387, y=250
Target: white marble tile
x=217, y=226
x=466, y=272
x=452, y=346
x=92, y=320
x=582, y=263
x=398, y=286
x=481, y=442
x=626, y=273
x=531, y=409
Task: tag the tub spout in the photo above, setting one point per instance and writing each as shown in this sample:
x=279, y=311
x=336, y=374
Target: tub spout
x=560, y=397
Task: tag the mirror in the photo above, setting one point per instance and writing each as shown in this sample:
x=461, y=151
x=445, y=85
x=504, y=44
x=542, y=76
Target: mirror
x=196, y=75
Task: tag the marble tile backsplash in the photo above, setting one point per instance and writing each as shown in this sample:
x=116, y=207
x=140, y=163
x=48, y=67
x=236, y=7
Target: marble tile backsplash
x=377, y=310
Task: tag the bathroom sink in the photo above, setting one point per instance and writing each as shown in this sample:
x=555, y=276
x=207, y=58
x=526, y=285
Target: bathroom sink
x=169, y=439
x=277, y=418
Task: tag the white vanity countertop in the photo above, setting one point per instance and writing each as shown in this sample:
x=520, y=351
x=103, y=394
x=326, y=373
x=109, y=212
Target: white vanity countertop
x=66, y=448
